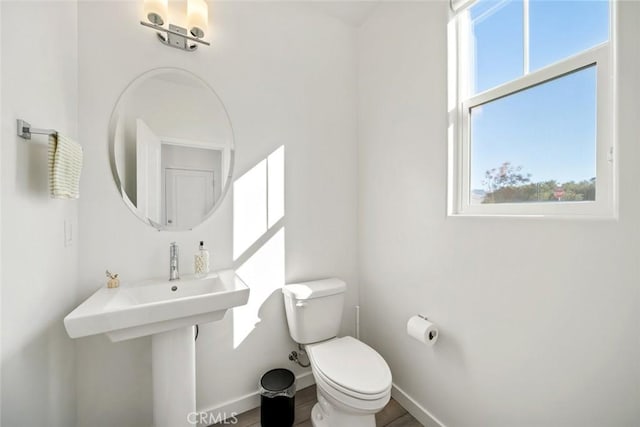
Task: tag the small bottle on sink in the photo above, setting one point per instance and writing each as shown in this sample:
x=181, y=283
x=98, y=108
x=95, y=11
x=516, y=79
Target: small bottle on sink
x=201, y=266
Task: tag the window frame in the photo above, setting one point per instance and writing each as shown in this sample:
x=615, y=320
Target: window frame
x=460, y=106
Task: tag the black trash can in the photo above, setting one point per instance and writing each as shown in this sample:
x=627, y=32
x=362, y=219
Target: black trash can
x=277, y=398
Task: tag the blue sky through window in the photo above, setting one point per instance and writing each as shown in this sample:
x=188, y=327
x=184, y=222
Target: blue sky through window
x=499, y=50
x=559, y=29
x=550, y=129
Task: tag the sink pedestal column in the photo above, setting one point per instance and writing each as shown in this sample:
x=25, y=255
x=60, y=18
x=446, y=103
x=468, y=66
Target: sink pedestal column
x=174, y=377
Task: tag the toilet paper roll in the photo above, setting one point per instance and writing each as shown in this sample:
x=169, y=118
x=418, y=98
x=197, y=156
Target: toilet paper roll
x=423, y=330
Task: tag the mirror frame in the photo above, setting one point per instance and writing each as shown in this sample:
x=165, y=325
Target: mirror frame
x=112, y=145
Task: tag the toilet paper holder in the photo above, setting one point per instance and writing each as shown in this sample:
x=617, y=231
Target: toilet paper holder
x=432, y=334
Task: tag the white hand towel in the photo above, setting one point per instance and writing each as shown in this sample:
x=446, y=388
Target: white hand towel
x=65, y=165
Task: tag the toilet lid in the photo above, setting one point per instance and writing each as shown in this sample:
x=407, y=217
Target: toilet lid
x=352, y=365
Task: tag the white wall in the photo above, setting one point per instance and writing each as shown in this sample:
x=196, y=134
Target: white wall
x=39, y=82
x=287, y=77
x=539, y=318
x=1, y=132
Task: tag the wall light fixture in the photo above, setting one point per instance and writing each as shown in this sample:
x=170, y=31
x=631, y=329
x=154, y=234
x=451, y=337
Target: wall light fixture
x=157, y=12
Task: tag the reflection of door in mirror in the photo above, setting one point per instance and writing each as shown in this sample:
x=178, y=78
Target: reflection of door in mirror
x=148, y=172
x=189, y=196
x=192, y=181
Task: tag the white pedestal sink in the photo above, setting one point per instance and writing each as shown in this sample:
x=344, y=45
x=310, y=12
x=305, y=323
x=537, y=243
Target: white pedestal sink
x=166, y=310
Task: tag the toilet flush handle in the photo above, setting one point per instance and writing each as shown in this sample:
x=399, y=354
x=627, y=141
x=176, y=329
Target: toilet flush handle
x=301, y=304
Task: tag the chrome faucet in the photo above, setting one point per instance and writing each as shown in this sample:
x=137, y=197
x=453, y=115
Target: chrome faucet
x=174, y=271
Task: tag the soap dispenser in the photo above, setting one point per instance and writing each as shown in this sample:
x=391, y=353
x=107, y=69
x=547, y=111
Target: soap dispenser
x=202, y=261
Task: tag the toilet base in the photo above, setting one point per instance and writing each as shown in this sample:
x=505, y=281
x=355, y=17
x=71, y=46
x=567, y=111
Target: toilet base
x=330, y=413
x=318, y=419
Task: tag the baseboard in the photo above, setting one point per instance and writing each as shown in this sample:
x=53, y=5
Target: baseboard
x=252, y=400
x=230, y=408
x=414, y=408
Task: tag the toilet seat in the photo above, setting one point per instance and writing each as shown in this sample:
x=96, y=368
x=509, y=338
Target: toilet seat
x=351, y=367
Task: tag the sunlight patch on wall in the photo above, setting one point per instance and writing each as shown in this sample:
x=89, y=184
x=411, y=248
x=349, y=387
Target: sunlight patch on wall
x=264, y=274
x=249, y=208
x=275, y=185
x=258, y=238
x=258, y=201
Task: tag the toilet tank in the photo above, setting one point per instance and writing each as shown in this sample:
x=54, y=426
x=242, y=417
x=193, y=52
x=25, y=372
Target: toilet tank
x=314, y=309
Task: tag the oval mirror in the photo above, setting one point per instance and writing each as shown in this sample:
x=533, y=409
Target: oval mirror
x=171, y=149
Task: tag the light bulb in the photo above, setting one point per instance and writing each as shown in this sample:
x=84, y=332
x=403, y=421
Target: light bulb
x=197, y=17
x=156, y=11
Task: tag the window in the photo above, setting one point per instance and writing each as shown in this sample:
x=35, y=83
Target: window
x=531, y=108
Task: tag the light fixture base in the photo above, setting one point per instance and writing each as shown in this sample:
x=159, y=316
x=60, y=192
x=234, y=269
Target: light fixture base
x=176, y=36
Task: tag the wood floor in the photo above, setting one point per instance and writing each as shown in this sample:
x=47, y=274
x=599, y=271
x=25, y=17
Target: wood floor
x=393, y=415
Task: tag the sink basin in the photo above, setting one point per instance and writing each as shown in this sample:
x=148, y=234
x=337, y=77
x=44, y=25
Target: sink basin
x=151, y=307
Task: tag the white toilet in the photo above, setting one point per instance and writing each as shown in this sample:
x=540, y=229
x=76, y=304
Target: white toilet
x=353, y=381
